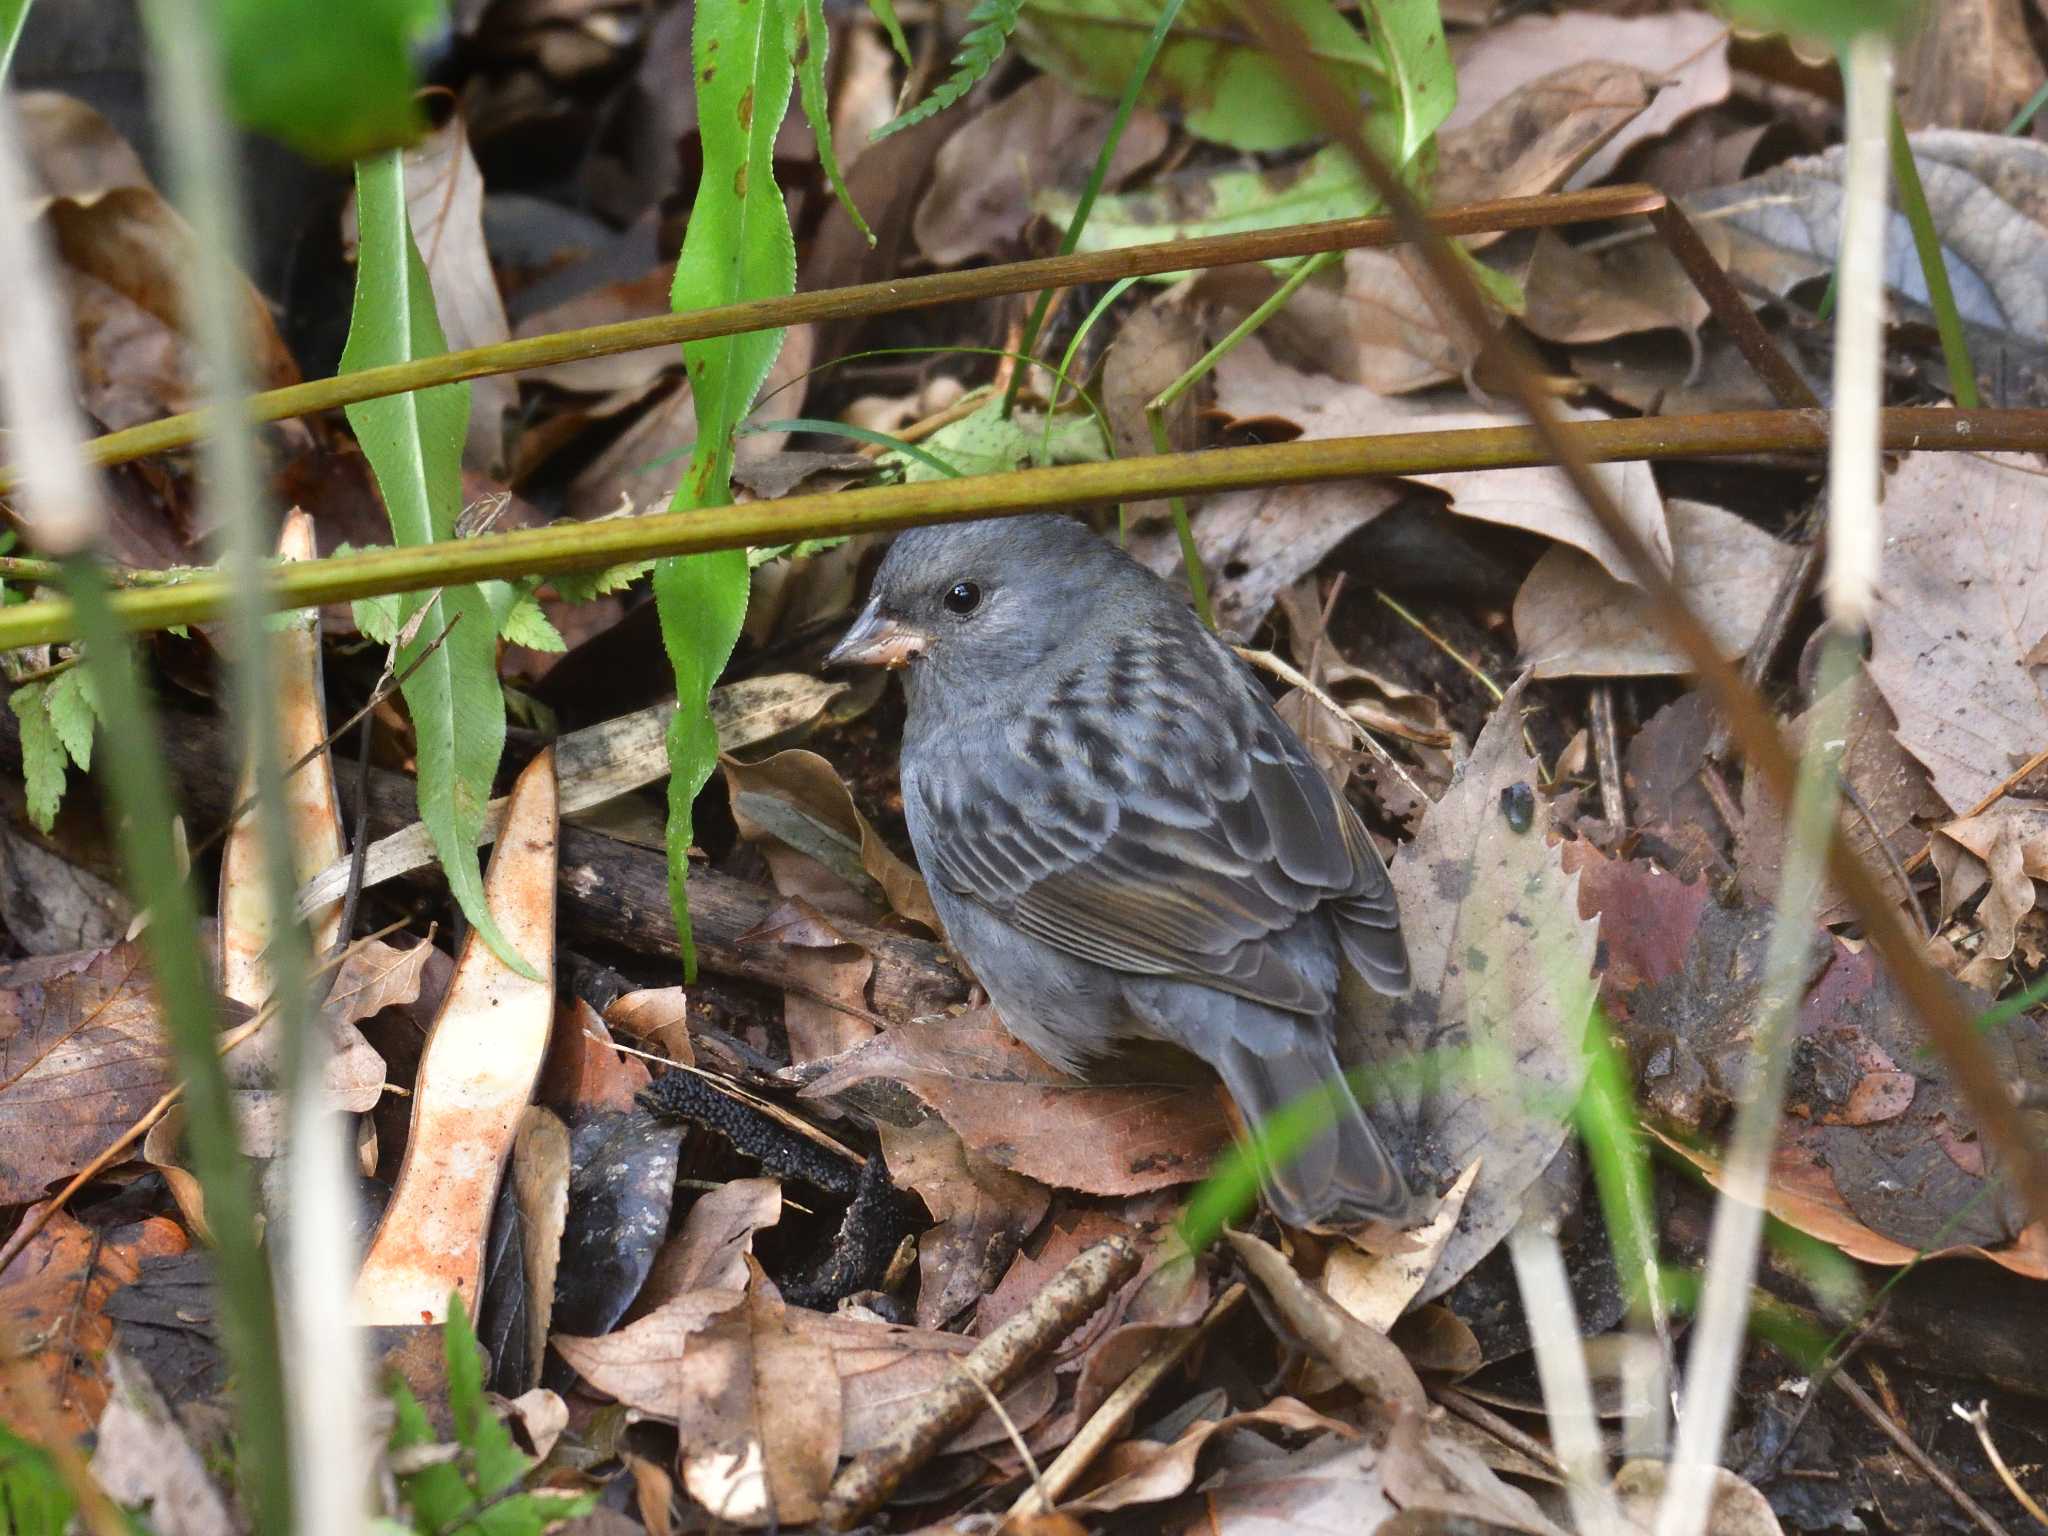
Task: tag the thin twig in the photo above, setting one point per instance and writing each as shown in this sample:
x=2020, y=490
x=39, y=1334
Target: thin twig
x=1893, y=1431
x=1979, y=1419
x=2005, y=787
x=1109, y=1423
x=1068, y=1300
x=1607, y=758
x=1294, y=678
x=1474, y=1412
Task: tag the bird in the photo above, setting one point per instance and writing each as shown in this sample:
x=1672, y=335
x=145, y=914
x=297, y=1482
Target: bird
x=1125, y=841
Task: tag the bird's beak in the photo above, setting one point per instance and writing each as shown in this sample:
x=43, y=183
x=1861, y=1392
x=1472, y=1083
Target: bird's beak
x=877, y=641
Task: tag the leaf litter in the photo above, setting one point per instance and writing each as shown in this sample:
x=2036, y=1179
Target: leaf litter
x=858, y=1193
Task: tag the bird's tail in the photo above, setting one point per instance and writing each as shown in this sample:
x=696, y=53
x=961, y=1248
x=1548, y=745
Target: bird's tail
x=1341, y=1170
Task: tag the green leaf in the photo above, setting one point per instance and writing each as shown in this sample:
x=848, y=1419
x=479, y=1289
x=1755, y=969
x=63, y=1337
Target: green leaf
x=990, y=24
x=336, y=82
x=414, y=445
x=584, y=586
x=1408, y=36
x=498, y=1462
x=988, y=443
x=34, y=1500
x=701, y=601
x=1324, y=186
x=42, y=753
x=525, y=624
x=1833, y=21
x=69, y=703
x=379, y=617
x=885, y=13
x=14, y=15
x=1211, y=70
x=808, y=40
x=738, y=247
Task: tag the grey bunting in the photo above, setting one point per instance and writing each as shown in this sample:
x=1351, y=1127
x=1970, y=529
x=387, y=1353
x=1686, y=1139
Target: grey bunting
x=1122, y=837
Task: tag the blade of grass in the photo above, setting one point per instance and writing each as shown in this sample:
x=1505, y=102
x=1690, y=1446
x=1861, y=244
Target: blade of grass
x=13, y=18
x=2023, y=119
x=326, y=1383
x=821, y=428
x=414, y=445
x=738, y=248
x=1126, y=104
x=64, y=510
x=1941, y=297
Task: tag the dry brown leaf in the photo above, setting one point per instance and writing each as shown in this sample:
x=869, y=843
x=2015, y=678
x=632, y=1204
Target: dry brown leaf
x=51, y=1298
x=1962, y=603
x=1684, y=52
x=583, y=1071
x=637, y=1364
x=824, y=1003
x=1251, y=383
x=794, y=802
x=1040, y=137
x=758, y=1425
x=1891, y=790
x=1576, y=296
x=1970, y=64
x=1501, y=963
x=1572, y=619
x=444, y=195
x=376, y=976
x=1010, y=1107
x=83, y=1054
x=1404, y=335
x=1362, y=1355
x=710, y=1250
x=1159, y=343
x=983, y=1212
x=657, y=1016
x=144, y=1458
x=1534, y=138
x=1377, y=1288
x=540, y=1186
x=1143, y=1471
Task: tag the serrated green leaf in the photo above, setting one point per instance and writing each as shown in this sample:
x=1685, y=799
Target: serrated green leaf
x=498, y=1463
x=42, y=754
x=989, y=443
x=584, y=586
x=885, y=12
x=336, y=82
x=759, y=555
x=525, y=624
x=990, y=24
x=378, y=617
x=738, y=247
x=808, y=39
x=89, y=690
x=71, y=714
x=1211, y=70
x=414, y=445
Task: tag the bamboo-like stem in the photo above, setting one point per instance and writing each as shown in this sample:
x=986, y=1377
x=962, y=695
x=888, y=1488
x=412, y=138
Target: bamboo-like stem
x=584, y=546
x=869, y=299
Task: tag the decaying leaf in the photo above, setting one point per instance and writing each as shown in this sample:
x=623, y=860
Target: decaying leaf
x=984, y=1213
x=1010, y=1107
x=1962, y=610
x=1250, y=382
x=1484, y=1057
x=1574, y=619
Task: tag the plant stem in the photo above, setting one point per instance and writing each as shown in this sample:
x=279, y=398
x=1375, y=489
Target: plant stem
x=866, y=300
x=1941, y=297
x=594, y=545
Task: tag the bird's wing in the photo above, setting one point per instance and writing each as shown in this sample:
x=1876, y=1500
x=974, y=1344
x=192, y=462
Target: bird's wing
x=1165, y=831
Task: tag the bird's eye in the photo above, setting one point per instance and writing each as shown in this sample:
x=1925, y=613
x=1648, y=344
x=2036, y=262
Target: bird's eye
x=963, y=597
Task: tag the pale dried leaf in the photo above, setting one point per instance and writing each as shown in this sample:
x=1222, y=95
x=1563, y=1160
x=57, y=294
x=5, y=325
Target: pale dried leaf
x=1573, y=619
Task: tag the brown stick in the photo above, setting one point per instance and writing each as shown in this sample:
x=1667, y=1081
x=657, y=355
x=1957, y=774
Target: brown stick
x=1910, y=1449
x=1072, y=1296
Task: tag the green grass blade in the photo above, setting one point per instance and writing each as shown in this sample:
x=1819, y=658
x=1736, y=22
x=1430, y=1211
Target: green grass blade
x=13, y=17
x=143, y=815
x=1941, y=297
x=885, y=13
x=2022, y=120
x=739, y=246
x=414, y=445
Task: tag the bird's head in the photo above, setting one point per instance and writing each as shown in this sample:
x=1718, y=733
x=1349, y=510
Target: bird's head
x=976, y=603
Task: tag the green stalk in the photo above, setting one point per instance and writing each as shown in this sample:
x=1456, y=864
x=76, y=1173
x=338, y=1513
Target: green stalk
x=143, y=816
x=592, y=546
x=1126, y=104
x=1941, y=298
